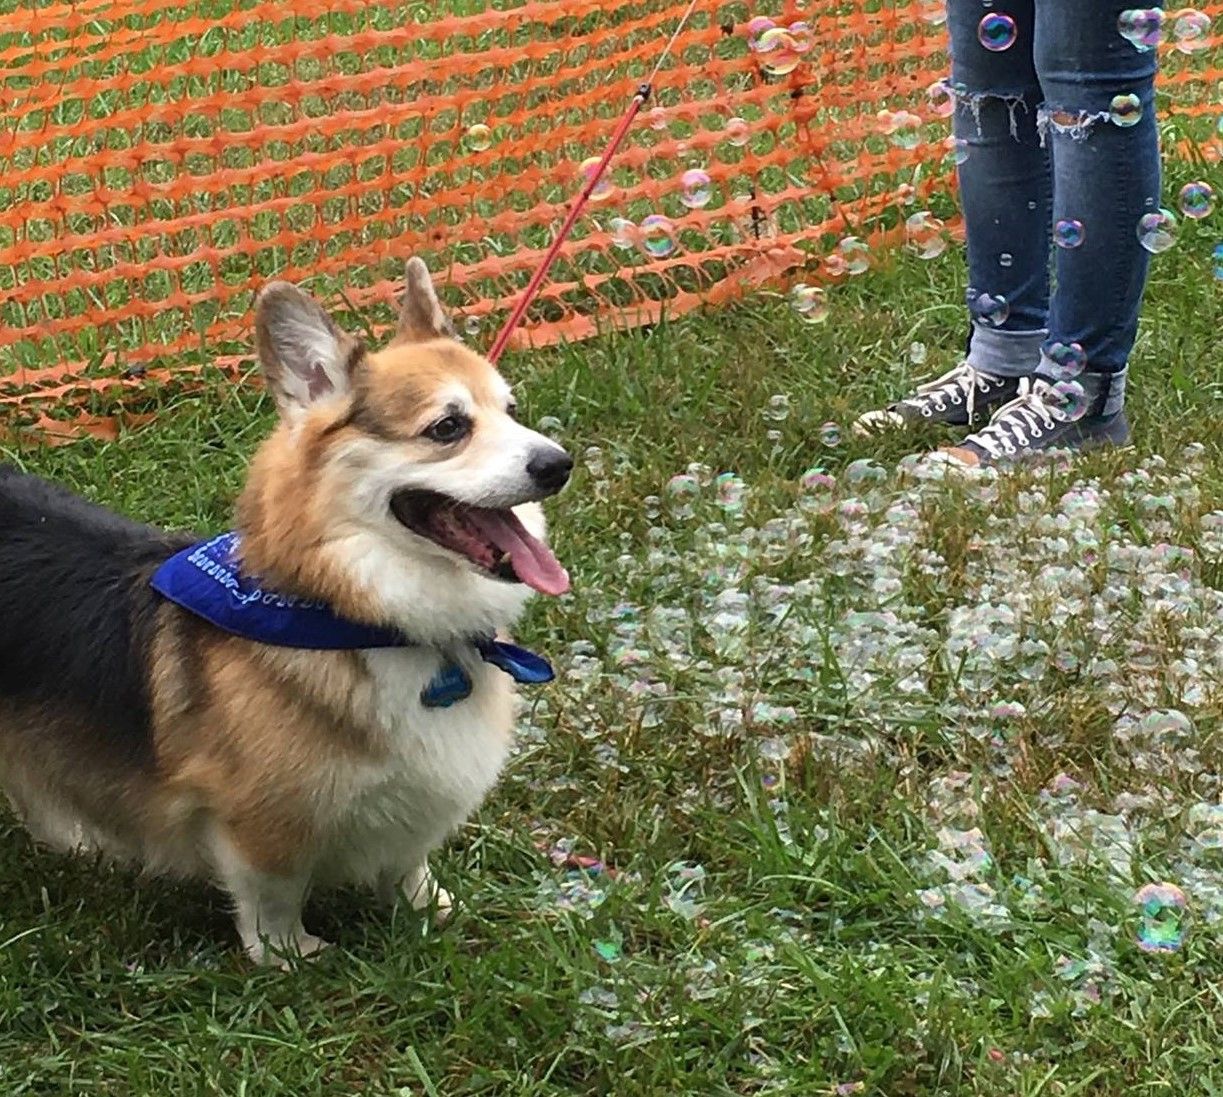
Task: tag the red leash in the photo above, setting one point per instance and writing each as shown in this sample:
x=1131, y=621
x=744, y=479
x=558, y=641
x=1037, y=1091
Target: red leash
x=537, y=279
x=595, y=177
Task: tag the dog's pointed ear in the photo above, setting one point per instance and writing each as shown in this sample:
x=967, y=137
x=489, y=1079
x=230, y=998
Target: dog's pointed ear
x=421, y=315
x=304, y=355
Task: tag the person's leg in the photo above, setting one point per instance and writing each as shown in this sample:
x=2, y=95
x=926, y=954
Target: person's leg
x=1006, y=186
x=1006, y=195
x=1098, y=120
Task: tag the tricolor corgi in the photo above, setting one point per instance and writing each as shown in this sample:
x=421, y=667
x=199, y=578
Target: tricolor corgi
x=320, y=696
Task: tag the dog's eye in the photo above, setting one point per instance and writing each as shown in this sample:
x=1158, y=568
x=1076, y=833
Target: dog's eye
x=450, y=429
x=512, y=411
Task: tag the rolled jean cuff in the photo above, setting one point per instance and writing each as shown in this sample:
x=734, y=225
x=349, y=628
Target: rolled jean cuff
x=1005, y=353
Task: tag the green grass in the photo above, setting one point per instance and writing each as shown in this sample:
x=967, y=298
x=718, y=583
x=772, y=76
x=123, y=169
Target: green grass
x=791, y=953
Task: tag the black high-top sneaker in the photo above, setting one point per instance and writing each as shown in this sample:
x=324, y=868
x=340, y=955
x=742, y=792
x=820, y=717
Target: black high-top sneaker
x=1084, y=414
x=962, y=397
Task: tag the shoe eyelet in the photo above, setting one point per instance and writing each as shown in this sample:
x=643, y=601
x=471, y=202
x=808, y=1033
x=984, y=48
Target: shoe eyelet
x=927, y=411
x=956, y=399
x=940, y=408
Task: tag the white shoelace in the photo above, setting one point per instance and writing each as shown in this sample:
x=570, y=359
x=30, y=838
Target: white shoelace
x=1018, y=424
x=958, y=385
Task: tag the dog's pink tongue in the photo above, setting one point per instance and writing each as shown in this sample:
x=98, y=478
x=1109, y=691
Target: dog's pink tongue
x=533, y=562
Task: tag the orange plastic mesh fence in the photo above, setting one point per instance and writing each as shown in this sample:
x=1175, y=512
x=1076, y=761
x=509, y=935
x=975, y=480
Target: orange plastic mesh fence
x=161, y=161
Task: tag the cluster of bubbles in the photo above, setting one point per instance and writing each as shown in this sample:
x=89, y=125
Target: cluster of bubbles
x=1146, y=28
x=780, y=48
x=1062, y=584
x=1157, y=229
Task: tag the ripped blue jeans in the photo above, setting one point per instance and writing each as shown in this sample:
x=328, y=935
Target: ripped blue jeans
x=1054, y=136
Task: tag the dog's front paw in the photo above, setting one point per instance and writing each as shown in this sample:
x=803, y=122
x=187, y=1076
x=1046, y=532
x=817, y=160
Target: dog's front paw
x=422, y=893
x=443, y=906
x=288, y=954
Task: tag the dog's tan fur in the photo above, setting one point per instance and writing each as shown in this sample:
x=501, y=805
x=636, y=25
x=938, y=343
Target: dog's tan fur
x=275, y=768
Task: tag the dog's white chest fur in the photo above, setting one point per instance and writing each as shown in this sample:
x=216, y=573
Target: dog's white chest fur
x=438, y=766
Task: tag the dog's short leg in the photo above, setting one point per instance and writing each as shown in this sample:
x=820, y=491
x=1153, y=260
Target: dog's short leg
x=267, y=907
x=418, y=886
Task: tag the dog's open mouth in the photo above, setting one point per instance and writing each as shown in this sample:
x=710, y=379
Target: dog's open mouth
x=494, y=540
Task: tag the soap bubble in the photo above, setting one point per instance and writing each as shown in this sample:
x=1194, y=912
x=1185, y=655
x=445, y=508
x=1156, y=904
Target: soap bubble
x=926, y=235
x=471, y=325
x=802, y=37
x=993, y=310
x=738, y=132
x=1197, y=200
x=1164, y=910
x=777, y=410
x=854, y=255
x=731, y=491
x=658, y=118
x=779, y=55
x=1125, y=110
x=1191, y=31
x=1141, y=27
x=1218, y=257
x=902, y=127
x=624, y=233
x=809, y=302
x=830, y=435
x=1066, y=361
x=1069, y=234
x=756, y=28
x=1070, y=399
x=864, y=472
x=479, y=137
x=551, y=426
x=657, y=236
x=996, y=32
x=605, y=187
x=941, y=99
x=817, y=482
x=933, y=12
x=683, y=486
x=696, y=188
x=957, y=150
x=1157, y=231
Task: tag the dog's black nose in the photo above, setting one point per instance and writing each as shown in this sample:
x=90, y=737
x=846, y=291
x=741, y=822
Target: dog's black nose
x=550, y=469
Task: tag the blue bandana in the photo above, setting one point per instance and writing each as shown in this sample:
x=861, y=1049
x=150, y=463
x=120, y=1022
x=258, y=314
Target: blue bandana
x=206, y=580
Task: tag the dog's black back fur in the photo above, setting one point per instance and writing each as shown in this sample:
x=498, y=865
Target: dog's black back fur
x=77, y=613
